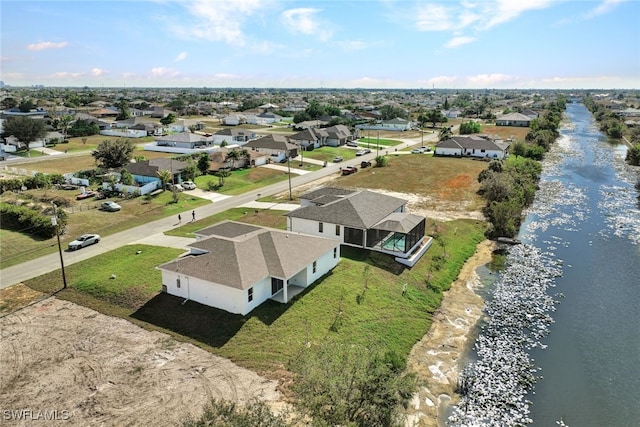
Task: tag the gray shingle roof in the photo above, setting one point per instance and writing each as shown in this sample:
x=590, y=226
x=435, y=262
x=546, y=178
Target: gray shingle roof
x=361, y=209
x=240, y=255
x=400, y=222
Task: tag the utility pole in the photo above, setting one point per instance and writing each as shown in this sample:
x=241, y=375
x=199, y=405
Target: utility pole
x=54, y=221
x=289, y=172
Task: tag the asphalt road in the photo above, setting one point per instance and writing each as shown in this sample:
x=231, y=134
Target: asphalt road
x=30, y=269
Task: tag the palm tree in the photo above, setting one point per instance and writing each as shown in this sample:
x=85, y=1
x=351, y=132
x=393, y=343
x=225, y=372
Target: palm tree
x=233, y=155
x=165, y=176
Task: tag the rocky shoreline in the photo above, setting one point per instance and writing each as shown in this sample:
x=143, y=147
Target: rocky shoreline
x=436, y=357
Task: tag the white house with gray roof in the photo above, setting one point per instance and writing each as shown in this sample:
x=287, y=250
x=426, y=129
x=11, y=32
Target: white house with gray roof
x=472, y=146
x=364, y=219
x=236, y=267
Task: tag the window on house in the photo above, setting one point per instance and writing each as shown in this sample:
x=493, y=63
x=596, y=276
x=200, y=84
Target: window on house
x=276, y=285
x=337, y=230
x=335, y=252
x=178, y=282
x=320, y=227
x=315, y=266
x=250, y=294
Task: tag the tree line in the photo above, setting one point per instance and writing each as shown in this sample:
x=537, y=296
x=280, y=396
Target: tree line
x=509, y=187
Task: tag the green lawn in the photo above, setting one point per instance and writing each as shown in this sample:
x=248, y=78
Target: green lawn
x=360, y=301
x=266, y=217
x=84, y=217
x=372, y=142
x=243, y=180
x=328, y=153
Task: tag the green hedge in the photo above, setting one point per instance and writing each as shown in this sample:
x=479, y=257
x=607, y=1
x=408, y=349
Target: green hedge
x=24, y=219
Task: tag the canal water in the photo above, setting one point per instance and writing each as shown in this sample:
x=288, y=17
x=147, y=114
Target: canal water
x=586, y=219
x=587, y=214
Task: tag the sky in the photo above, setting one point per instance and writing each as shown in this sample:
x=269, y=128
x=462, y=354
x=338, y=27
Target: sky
x=385, y=44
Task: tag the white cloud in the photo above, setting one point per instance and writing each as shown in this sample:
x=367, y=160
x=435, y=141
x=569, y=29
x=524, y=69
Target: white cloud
x=602, y=8
x=305, y=21
x=459, y=41
x=47, y=45
x=181, y=57
x=97, y=71
x=506, y=10
x=65, y=75
x=486, y=14
x=216, y=20
x=442, y=81
x=164, y=72
x=434, y=18
x=489, y=80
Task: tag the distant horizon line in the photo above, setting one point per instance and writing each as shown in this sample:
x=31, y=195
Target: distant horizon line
x=42, y=86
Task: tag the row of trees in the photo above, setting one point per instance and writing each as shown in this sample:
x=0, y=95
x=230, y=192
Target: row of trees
x=613, y=126
x=509, y=187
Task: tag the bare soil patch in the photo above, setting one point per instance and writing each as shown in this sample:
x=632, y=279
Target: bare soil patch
x=436, y=358
x=102, y=370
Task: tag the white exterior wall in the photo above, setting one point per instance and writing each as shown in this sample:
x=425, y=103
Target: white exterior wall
x=307, y=226
x=324, y=264
x=448, y=151
x=215, y=295
x=492, y=154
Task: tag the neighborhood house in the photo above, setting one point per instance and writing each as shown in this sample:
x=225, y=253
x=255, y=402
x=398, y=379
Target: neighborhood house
x=236, y=267
x=472, y=146
x=363, y=219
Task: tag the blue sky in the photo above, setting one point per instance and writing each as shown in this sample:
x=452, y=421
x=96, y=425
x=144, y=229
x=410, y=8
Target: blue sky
x=465, y=44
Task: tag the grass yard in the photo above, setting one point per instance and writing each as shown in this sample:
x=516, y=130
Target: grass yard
x=136, y=278
x=327, y=154
x=504, y=132
x=243, y=180
x=265, y=217
x=360, y=301
x=373, y=142
x=439, y=179
x=71, y=164
x=85, y=217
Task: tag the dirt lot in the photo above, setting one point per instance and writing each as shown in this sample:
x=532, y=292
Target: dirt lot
x=98, y=370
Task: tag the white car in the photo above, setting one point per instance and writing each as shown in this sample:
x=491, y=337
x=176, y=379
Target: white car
x=110, y=206
x=188, y=185
x=84, y=240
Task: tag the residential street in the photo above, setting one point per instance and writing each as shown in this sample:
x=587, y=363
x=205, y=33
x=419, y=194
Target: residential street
x=154, y=230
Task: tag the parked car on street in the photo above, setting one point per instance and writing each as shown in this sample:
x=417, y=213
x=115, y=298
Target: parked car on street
x=188, y=185
x=348, y=170
x=110, y=206
x=363, y=152
x=84, y=240
x=337, y=159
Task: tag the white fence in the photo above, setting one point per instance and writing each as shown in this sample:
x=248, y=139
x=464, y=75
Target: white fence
x=132, y=189
x=126, y=133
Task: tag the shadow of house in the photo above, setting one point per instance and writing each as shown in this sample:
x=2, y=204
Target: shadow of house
x=208, y=325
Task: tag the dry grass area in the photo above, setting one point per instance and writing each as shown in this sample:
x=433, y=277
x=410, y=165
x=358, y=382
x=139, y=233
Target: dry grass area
x=436, y=186
x=72, y=163
x=504, y=132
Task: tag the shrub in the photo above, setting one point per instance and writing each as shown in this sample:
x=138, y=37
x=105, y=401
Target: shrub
x=22, y=218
